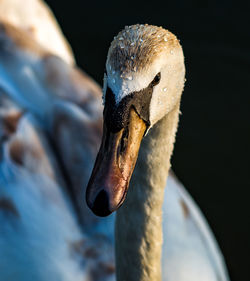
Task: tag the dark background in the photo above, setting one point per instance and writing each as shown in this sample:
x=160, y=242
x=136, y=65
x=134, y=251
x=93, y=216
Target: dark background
x=212, y=152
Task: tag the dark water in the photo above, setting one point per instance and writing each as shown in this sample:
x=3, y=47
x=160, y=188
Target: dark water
x=212, y=152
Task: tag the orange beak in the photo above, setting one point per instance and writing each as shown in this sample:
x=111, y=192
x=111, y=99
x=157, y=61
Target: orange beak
x=115, y=162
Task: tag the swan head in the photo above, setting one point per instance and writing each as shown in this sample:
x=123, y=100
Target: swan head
x=143, y=82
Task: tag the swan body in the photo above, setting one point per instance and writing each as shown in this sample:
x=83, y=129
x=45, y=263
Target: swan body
x=47, y=232
x=38, y=21
x=37, y=220
x=184, y=224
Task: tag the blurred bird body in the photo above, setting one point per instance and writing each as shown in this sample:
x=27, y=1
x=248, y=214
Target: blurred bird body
x=51, y=125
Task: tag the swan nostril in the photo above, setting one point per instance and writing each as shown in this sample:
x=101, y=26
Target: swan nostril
x=101, y=206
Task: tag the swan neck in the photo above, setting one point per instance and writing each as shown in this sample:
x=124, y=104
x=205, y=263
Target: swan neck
x=139, y=220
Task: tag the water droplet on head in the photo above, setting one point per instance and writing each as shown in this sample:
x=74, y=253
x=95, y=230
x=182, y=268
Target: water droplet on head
x=121, y=38
x=122, y=46
x=113, y=80
x=165, y=39
x=132, y=43
x=164, y=89
x=132, y=57
x=113, y=72
x=171, y=52
x=130, y=78
x=141, y=40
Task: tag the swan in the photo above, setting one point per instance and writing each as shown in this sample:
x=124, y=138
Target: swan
x=143, y=84
x=52, y=131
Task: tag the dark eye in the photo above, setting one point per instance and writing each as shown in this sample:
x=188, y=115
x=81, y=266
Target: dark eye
x=156, y=79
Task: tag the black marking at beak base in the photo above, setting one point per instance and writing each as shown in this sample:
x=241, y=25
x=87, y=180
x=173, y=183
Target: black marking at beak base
x=116, y=116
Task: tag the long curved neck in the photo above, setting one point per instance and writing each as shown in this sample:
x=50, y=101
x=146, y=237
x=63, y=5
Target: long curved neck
x=139, y=221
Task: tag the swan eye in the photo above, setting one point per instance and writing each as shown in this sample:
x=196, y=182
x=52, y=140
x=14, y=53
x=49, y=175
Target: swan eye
x=156, y=79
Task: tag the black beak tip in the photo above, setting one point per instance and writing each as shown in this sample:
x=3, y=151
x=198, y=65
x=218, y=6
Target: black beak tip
x=100, y=207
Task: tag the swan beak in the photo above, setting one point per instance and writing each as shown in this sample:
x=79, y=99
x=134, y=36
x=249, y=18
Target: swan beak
x=115, y=162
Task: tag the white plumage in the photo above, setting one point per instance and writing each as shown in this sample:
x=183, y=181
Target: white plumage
x=47, y=232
